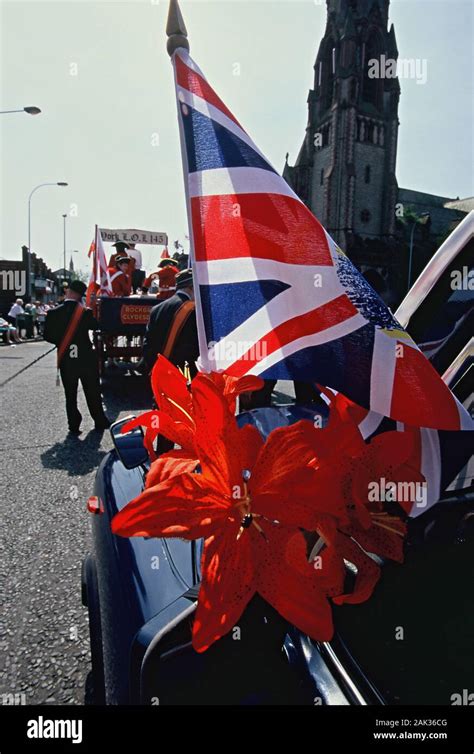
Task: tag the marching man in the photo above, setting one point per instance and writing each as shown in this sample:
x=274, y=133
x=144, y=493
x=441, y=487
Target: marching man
x=68, y=326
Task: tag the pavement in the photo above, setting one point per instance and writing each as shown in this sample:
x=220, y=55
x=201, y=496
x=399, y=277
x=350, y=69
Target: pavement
x=46, y=477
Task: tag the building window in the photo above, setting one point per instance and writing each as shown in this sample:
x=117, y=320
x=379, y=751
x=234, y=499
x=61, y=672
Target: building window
x=321, y=177
x=325, y=135
x=327, y=75
x=353, y=90
x=372, y=86
x=365, y=216
x=367, y=174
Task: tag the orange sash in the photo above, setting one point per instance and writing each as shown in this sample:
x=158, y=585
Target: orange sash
x=179, y=321
x=70, y=332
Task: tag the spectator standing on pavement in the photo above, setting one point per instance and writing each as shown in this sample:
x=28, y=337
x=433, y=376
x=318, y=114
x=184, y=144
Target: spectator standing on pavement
x=34, y=317
x=26, y=321
x=16, y=309
x=68, y=327
x=40, y=317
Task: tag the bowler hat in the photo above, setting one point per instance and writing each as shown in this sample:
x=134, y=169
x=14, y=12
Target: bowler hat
x=78, y=287
x=184, y=279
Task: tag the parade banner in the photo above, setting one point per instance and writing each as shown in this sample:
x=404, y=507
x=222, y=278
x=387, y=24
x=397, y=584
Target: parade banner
x=147, y=237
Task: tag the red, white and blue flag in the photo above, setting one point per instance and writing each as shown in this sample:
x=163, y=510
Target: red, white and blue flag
x=438, y=455
x=99, y=281
x=275, y=295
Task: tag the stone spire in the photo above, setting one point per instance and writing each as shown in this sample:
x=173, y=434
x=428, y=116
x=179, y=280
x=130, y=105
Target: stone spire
x=392, y=43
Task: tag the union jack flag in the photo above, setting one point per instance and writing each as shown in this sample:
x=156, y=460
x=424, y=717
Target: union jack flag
x=275, y=295
x=438, y=455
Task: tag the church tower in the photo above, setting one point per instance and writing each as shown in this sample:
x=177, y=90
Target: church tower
x=345, y=171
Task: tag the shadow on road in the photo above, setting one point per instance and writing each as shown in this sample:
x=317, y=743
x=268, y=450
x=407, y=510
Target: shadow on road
x=74, y=455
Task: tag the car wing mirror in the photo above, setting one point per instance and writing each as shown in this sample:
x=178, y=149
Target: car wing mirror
x=129, y=445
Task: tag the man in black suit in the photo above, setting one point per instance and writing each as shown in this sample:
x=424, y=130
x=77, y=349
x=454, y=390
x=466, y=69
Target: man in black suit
x=68, y=328
x=172, y=329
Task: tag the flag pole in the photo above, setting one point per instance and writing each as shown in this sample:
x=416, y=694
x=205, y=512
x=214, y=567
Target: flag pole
x=95, y=253
x=178, y=39
x=176, y=29
x=96, y=267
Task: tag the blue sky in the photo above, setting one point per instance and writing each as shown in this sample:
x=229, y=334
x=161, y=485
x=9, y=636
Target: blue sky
x=101, y=75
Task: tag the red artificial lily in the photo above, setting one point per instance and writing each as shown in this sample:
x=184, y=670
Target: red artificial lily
x=174, y=419
x=347, y=477
x=248, y=504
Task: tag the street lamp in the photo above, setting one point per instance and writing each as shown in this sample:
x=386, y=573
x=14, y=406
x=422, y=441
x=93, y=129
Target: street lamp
x=31, y=110
x=28, y=258
x=421, y=220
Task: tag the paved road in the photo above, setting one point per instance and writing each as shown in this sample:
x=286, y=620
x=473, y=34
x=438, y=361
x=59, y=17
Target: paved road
x=46, y=478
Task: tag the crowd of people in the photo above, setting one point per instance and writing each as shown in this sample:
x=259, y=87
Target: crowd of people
x=23, y=321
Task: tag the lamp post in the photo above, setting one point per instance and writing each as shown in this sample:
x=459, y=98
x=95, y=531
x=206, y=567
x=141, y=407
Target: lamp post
x=31, y=110
x=421, y=220
x=28, y=258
